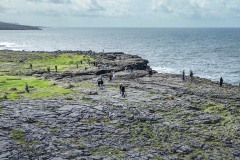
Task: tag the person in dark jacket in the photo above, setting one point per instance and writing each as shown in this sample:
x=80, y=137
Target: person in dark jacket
x=120, y=88
x=183, y=75
x=123, y=91
x=55, y=68
x=26, y=88
x=191, y=75
x=110, y=77
x=221, y=82
x=150, y=72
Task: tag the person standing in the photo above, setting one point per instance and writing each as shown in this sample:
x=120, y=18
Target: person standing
x=183, y=75
x=26, y=88
x=191, y=75
x=150, y=72
x=221, y=82
x=110, y=77
x=100, y=79
x=31, y=66
x=48, y=69
x=55, y=68
x=101, y=83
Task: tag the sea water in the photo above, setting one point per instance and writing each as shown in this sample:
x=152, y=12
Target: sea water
x=209, y=52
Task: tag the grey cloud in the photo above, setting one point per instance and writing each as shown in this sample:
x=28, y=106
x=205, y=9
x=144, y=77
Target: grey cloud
x=51, y=1
x=2, y=9
x=95, y=6
x=60, y=1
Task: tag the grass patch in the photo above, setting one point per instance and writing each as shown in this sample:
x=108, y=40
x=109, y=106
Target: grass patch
x=14, y=88
x=114, y=86
x=111, y=151
x=1, y=109
x=86, y=84
x=18, y=63
x=18, y=136
x=39, y=123
x=53, y=129
x=90, y=120
x=85, y=99
x=62, y=61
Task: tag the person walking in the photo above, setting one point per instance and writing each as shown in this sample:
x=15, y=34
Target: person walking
x=120, y=88
x=123, y=91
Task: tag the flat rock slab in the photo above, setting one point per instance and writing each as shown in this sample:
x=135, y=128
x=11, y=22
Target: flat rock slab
x=161, y=117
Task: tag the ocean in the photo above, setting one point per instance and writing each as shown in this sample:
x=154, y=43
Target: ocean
x=209, y=52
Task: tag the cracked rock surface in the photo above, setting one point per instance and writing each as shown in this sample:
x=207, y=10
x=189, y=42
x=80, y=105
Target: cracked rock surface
x=161, y=117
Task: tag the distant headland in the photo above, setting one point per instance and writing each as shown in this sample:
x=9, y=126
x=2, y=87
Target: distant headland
x=11, y=26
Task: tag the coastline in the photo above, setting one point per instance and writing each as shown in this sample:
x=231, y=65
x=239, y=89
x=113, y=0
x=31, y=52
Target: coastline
x=161, y=117
x=93, y=52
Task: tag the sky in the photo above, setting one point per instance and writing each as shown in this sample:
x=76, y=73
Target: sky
x=122, y=13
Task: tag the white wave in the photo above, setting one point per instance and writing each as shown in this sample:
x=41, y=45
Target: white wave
x=11, y=46
x=165, y=70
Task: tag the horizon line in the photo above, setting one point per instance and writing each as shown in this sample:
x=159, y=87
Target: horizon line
x=149, y=27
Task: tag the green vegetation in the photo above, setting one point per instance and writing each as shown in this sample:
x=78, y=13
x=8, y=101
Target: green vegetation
x=86, y=99
x=113, y=86
x=18, y=136
x=53, y=129
x=63, y=62
x=39, y=123
x=14, y=88
x=86, y=84
x=18, y=63
x=15, y=72
x=111, y=151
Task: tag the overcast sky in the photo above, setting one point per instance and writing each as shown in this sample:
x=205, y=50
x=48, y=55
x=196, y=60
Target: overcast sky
x=122, y=13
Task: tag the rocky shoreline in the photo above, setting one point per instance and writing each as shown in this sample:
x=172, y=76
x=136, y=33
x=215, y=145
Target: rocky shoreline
x=161, y=117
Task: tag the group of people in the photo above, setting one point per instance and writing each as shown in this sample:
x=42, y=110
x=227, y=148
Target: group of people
x=191, y=76
x=100, y=82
